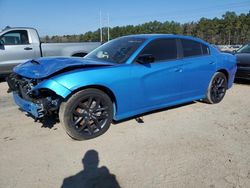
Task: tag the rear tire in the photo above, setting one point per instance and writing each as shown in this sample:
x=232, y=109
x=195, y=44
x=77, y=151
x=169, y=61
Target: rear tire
x=216, y=89
x=86, y=114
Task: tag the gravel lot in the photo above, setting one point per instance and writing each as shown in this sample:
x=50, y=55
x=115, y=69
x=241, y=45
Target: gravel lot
x=195, y=145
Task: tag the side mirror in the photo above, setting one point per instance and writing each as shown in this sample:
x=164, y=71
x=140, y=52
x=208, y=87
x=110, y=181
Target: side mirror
x=145, y=58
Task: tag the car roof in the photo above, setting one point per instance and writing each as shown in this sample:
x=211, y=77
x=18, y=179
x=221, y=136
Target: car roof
x=16, y=28
x=155, y=36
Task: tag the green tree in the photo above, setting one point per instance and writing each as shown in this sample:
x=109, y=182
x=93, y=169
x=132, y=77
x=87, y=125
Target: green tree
x=230, y=29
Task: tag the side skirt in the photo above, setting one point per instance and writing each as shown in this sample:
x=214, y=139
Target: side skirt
x=119, y=117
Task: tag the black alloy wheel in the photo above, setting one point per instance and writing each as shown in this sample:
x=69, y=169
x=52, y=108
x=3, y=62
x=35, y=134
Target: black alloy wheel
x=87, y=114
x=217, y=88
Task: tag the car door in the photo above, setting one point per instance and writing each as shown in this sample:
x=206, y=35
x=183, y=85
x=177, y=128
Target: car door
x=158, y=83
x=198, y=68
x=14, y=49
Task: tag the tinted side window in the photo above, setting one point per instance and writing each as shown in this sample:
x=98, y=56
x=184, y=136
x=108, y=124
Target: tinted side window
x=15, y=37
x=161, y=49
x=205, y=49
x=191, y=48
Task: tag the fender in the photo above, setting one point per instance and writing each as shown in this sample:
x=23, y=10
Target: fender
x=64, y=92
x=53, y=86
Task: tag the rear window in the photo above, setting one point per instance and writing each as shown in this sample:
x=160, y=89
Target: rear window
x=191, y=48
x=205, y=49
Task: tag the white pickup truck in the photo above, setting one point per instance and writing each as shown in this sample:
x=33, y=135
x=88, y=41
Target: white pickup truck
x=20, y=44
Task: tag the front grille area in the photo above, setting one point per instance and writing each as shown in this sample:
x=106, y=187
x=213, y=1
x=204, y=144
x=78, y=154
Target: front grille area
x=22, y=86
x=38, y=103
x=12, y=81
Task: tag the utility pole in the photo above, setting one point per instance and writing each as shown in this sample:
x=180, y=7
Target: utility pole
x=100, y=26
x=108, y=26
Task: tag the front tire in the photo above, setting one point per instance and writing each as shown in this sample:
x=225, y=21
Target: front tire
x=86, y=114
x=216, y=89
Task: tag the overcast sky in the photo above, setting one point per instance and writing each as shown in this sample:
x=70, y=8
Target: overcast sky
x=59, y=17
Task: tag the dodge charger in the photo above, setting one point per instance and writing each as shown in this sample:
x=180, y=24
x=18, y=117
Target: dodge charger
x=123, y=78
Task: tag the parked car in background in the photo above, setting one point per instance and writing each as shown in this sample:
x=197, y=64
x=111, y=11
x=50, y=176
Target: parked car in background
x=228, y=48
x=243, y=62
x=123, y=78
x=20, y=44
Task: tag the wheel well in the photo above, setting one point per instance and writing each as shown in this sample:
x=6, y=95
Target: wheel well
x=80, y=54
x=224, y=72
x=103, y=89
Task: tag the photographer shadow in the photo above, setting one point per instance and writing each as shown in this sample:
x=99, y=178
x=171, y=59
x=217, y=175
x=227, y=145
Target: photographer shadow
x=91, y=176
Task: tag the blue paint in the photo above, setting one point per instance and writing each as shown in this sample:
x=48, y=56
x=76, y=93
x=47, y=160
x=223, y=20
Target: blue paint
x=28, y=106
x=138, y=88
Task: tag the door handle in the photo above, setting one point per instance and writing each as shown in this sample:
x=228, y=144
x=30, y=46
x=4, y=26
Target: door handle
x=28, y=48
x=212, y=63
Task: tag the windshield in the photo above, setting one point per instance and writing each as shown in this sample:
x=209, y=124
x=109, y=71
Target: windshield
x=117, y=50
x=244, y=49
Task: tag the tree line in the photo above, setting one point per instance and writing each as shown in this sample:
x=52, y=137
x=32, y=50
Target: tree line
x=229, y=29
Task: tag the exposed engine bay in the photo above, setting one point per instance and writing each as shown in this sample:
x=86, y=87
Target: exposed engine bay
x=47, y=101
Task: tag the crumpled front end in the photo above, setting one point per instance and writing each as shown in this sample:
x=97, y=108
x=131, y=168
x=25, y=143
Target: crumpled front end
x=37, y=102
x=35, y=109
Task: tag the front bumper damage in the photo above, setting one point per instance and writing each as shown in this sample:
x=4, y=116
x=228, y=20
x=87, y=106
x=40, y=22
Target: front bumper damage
x=36, y=110
x=39, y=103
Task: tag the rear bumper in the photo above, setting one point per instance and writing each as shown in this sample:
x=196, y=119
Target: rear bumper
x=34, y=109
x=232, y=73
x=243, y=73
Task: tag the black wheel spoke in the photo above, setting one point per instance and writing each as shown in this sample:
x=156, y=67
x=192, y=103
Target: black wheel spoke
x=82, y=127
x=90, y=129
x=102, y=116
x=221, y=90
x=97, y=104
x=218, y=81
x=101, y=109
x=221, y=83
x=97, y=123
x=213, y=95
x=78, y=121
x=82, y=105
x=98, y=126
x=90, y=100
x=77, y=113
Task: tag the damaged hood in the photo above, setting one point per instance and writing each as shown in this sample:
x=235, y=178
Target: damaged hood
x=44, y=67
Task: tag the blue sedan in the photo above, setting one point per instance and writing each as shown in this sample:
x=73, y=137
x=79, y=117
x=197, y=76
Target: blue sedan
x=123, y=78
